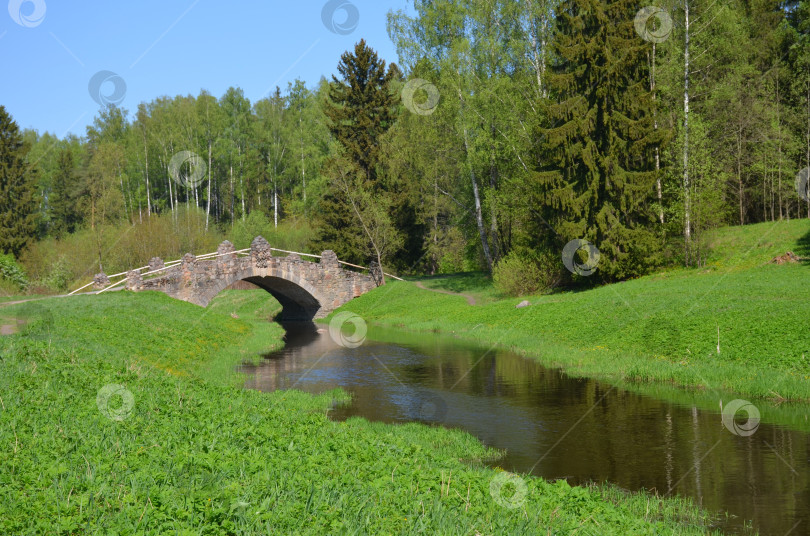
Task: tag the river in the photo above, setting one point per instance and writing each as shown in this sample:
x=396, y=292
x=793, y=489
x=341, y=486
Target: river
x=556, y=426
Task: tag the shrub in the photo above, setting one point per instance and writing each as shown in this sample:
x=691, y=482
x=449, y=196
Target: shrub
x=59, y=276
x=518, y=274
x=11, y=272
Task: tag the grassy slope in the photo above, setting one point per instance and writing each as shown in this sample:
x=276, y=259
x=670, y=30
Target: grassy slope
x=659, y=328
x=199, y=456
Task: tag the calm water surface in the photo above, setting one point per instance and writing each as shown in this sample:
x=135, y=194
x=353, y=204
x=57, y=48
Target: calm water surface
x=555, y=426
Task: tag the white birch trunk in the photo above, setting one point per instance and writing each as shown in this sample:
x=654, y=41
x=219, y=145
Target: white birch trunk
x=687, y=232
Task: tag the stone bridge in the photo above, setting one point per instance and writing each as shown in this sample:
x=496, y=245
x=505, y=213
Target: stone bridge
x=306, y=290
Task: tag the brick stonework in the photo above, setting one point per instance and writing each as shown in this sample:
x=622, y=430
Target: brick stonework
x=306, y=290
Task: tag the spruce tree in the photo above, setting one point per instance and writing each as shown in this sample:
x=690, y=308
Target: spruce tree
x=361, y=106
x=596, y=176
x=64, y=215
x=17, y=187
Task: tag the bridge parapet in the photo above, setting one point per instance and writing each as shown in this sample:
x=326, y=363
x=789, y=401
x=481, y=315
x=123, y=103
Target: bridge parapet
x=305, y=289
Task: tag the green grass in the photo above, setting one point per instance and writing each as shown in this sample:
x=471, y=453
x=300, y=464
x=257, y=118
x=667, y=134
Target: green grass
x=197, y=455
x=662, y=328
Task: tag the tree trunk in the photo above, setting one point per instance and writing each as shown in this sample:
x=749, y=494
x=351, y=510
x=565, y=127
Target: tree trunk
x=96, y=230
x=434, y=265
x=146, y=174
x=479, y=218
x=303, y=165
x=275, y=204
x=687, y=234
x=739, y=172
x=497, y=246
x=208, y=203
x=657, y=153
x=779, y=150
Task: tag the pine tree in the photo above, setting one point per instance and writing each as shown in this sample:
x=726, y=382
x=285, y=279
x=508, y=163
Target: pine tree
x=17, y=180
x=361, y=106
x=597, y=178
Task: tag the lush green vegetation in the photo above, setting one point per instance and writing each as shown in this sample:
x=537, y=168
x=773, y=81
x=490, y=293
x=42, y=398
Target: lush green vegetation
x=195, y=454
x=658, y=328
x=504, y=131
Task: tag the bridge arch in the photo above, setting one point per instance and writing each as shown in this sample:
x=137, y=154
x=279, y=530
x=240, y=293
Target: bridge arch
x=298, y=298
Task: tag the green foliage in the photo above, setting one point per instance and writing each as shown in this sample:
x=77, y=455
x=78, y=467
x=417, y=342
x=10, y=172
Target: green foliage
x=355, y=214
x=196, y=454
x=360, y=107
x=518, y=275
x=18, y=178
x=290, y=235
x=623, y=332
x=63, y=201
x=553, y=122
x=58, y=276
x=598, y=170
x=123, y=246
x=12, y=272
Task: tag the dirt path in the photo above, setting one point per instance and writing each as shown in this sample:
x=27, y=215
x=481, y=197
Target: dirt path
x=26, y=300
x=470, y=299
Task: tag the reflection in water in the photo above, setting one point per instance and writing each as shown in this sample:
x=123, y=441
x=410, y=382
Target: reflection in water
x=556, y=426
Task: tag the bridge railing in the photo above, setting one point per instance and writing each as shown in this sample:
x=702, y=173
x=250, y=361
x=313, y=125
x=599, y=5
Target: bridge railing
x=207, y=256
x=340, y=261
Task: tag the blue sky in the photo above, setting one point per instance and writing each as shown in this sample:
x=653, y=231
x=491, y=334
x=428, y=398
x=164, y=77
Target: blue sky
x=168, y=47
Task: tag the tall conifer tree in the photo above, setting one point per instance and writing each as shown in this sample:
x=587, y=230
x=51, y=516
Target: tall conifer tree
x=64, y=216
x=17, y=180
x=596, y=178
x=361, y=106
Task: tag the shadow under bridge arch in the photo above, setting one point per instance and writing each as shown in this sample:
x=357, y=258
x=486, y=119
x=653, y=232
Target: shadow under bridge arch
x=299, y=301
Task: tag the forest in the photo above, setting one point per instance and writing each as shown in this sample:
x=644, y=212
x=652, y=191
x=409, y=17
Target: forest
x=505, y=130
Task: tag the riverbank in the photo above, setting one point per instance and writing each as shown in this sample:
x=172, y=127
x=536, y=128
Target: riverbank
x=178, y=447
x=736, y=326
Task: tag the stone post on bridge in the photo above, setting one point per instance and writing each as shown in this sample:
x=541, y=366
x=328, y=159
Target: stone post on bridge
x=134, y=280
x=260, y=252
x=225, y=252
x=100, y=281
x=155, y=264
x=226, y=259
x=329, y=261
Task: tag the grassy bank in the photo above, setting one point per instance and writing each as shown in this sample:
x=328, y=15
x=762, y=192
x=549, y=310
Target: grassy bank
x=193, y=454
x=738, y=325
